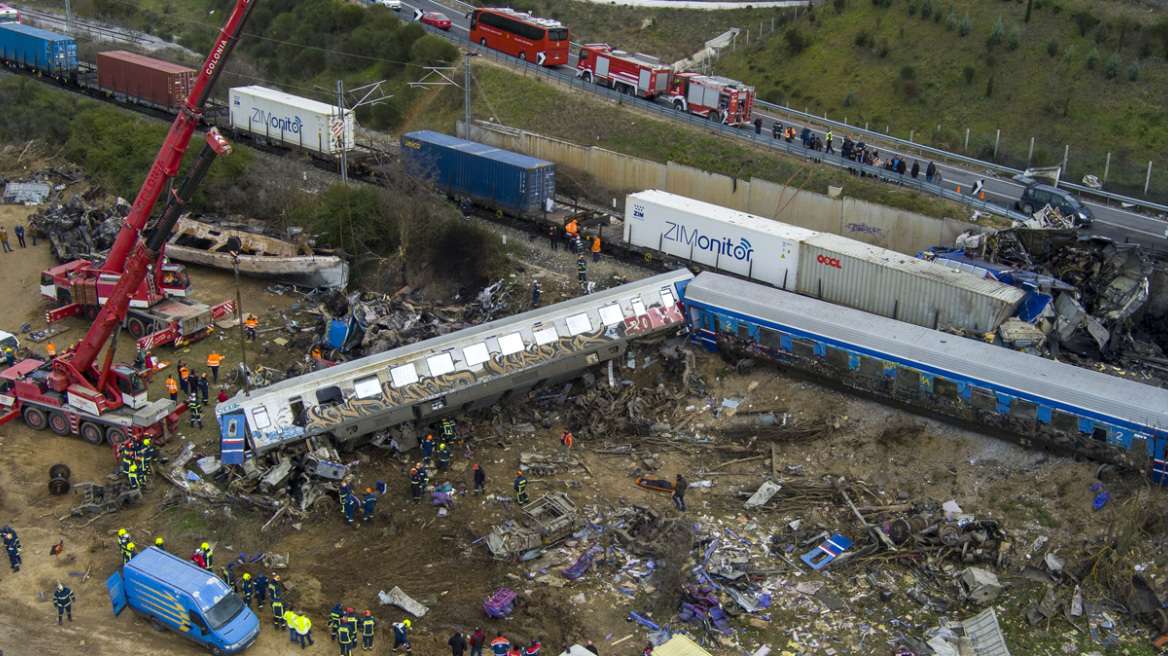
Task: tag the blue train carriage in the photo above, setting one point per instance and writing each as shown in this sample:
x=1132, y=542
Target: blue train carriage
x=1041, y=402
x=492, y=177
x=45, y=52
x=455, y=373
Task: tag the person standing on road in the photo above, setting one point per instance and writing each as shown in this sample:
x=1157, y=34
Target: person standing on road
x=916, y=169
x=19, y=230
x=758, y=124
x=304, y=630
x=930, y=171
x=776, y=130
x=63, y=599
x=679, y=487
x=828, y=139
x=457, y=643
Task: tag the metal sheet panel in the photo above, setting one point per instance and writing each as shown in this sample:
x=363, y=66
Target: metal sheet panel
x=877, y=280
x=716, y=237
x=291, y=120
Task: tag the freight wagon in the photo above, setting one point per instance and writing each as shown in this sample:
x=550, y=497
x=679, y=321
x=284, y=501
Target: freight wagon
x=500, y=179
x=823, y=266
x=38, y=50
x=291, y=121
x=130, y=77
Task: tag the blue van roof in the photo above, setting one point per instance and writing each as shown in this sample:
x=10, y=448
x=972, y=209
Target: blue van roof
x=203, y=586
x=36, y=31
x=476, y=148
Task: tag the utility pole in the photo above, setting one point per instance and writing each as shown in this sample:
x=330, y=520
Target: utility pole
x=466, y=91
x=443, y=76
x=68, y=18
x=242, y=334
x=343, y=137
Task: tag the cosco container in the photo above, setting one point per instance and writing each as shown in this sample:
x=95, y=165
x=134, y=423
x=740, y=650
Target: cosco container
x=718, y=237
x=848, y=272
x=489, y=176
x=40, y=50
x=291, y=121
x=130, y=76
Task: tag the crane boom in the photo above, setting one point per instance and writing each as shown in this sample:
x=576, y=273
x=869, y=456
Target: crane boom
x=170, y=155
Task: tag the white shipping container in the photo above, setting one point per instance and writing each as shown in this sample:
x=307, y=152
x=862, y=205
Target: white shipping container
x=712, y=236
x=873, y=279
x=291, y=120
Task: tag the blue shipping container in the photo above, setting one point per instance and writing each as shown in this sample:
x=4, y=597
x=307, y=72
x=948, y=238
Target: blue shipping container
x=48, y=52
x=490, y=176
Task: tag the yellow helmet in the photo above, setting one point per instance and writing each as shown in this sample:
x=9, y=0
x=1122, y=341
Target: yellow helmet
x=247, y=577
x=407, y=623
x=206, y=546
x=130, y=546
x=158, y=541
x=121, y=532
x=146, y=442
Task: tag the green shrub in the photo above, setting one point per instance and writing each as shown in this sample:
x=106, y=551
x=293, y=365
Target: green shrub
x=796, y=40
x=1092, y=59
x=951, y=19
x=1052, y=46
x=850, y=98
x=927, y=9
x=1133, y=71
x=990, y=86
x=937, y=16
x=883, y=48
x=912, y=7
x=997, y=33
x=863, y=38
x=839, y=5
x=1111, y=68
x=908, y=73
x=1069, y=55
x=966, y=25
x=1015, y=38
x=969, y=72
x=1085, y=21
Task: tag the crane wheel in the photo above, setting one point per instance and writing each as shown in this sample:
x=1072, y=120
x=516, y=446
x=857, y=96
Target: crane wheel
x=35, y=418
x=115, y=435
x=92, y=433
x=59, y=423
x=137, y=328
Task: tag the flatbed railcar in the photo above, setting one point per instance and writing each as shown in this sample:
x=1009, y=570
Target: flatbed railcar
x=1042, y=402
x=466, y=370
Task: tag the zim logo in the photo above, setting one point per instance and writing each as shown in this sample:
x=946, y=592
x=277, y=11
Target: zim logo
x=638, y=211
x=829, y=261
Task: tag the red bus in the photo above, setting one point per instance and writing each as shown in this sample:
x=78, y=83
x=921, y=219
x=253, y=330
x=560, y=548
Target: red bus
x=9, y=14
x=541, y=40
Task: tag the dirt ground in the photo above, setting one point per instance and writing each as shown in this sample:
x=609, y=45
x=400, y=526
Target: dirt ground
x=438, y=560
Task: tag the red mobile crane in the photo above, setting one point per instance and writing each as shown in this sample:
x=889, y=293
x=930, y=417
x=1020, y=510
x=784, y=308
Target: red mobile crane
x=72, y=394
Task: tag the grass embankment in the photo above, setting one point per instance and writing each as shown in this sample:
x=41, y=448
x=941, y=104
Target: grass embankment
x=1078, y=72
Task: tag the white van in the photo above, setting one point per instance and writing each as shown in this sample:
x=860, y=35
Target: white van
x=8, y=341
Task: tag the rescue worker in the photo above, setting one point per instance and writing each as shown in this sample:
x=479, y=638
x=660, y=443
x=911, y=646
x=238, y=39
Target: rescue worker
x=290, y=622
x=316, y=353
x=581, y=269
x=596, y=249
x=346, y=638
x=251, y=322
x=261, y=590
x=172, y=388
x=51, y=350
x=199, y=559
x=127, y=552
x=146, y=456
x=196, y=410
x=274, y=590
x=193, y=382
x=648, y=649
x=133, y=476
x=123, y=537
x=12, y=546
x=350, y=620
x=415, y=485
x=63, y=600
x=425, y=475
x=348, y=504
x=127, y=460
x=427, y=448
x=776, y=130
x=229, y=576
x=500, y=645
x=304, y=630
x=449, y=430
x=204, y=387
x=565, y=443
x=535, y=291
x=213, y=362
x=443, y=457
x=514, y=651
x=400, y=635
x=278, y=614
x=247, y=589
x=334, y=620
x=367, y=506
x=183, y=373
x=827, y=139
x=520, y=489
x=533, y=648
x=159, y=544
x=368, y=630
x=480, y=480
x=9, y=358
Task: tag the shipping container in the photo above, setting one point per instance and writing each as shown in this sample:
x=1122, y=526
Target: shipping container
x=718, y=237
x=291, y=121
x=130, y=76
x=490, y=176
x=873, y=279
x=40, y=50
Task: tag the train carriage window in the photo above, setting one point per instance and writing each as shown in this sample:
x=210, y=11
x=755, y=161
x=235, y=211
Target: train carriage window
x=330, y=395
x=667, y=297
x=579, y=324
x=908, y=380
x=545, y=335
x=367, y=388
x=1064, y=421
x=440, y=364
x=837, y=357
x=512, y=343
x=299, y=417
x=404, y=375
x=983, y=399
x=770, y=339
x=803, y=348
x=476, y=354
x=945, y=388
x=871, y=367
x=1099, y=434
x=743, y=330
x=638, y=306
x=707, y=325
x=611, y=315
x=1020, y=409
x=259, y=417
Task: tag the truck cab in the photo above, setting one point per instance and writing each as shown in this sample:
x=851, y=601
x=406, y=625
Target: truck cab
x=177, y=595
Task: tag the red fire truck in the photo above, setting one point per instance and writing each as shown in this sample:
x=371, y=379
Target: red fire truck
x=640, y=74
x=716, y=98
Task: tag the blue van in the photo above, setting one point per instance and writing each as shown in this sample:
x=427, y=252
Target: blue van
x=178, y=595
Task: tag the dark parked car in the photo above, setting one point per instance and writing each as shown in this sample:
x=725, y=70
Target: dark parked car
x=1037, y=196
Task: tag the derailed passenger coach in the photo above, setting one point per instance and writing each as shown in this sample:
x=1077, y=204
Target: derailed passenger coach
x=1045, y=403
x=466, y=370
